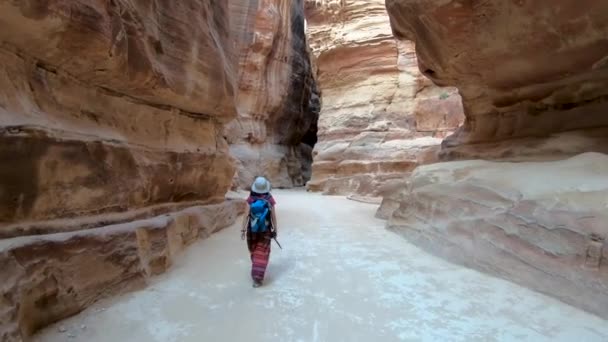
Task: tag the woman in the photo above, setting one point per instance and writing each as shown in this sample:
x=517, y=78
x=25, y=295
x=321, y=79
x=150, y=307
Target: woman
x=258, y=242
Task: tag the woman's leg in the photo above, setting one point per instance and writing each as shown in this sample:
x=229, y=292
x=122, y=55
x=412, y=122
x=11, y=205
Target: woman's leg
x=250, y=243
x=259, y=259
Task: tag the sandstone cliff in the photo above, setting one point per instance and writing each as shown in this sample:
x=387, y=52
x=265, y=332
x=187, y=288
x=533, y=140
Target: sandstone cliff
x=113, y=151
x=101, y=108
x=526, y=70
x=380, y=116
x=277, y=99
x=533, y=80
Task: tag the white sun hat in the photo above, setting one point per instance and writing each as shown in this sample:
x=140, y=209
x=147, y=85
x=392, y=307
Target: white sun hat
x=261, y=185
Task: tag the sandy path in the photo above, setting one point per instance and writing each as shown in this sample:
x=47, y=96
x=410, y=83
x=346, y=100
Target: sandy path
x=340, y=277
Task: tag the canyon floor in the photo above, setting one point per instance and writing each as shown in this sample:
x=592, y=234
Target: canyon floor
x=340, y=277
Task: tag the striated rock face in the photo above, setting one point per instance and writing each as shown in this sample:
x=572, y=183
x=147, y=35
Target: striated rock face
x=101, y=110
x=380, y=116
x=544, y=75
x=50, y=277
x=277, y=99
x=541, y=224
x=534, y=82
x=113, y=113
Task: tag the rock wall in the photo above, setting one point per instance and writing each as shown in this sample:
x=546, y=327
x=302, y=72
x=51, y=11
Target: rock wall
x=49, y=277
x=541, y=224
x=380, y=117
x=533, y=80
x=277, y=99
x=101, y=111
x=546, y=76
x=113, y=148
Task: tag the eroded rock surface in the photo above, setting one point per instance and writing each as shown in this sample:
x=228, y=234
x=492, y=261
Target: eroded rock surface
x=50, y=277
x=534, y=81
x=101, y=110
x=112, y=113
x=277, y=99
x=526, y=70
x=541, y=224
x=380, y=116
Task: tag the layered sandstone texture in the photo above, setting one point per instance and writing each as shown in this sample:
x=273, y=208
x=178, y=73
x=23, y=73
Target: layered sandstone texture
x=276, y=95
x=110, y=112
x=541, y=224
x=111, y=107
x=50, y=277
x=380, y=117
x=526, y=70
x=534, y=83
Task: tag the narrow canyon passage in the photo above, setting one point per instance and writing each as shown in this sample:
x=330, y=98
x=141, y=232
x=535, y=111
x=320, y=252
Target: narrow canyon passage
x=124, y=124
x=340, y=277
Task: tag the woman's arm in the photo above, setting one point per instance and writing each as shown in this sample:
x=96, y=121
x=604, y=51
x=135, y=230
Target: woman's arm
x=273, y=219
x=245, y=223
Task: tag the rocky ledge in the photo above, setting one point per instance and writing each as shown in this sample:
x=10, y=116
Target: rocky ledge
x=540, y=224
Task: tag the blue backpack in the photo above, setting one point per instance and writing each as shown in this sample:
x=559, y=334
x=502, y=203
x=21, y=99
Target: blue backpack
x=259, y=216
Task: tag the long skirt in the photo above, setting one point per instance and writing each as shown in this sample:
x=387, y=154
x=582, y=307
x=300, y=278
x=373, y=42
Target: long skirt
x=259, y=250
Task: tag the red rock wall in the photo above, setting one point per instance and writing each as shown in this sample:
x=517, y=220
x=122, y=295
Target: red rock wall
x=101, y=111
x=380, y=117
x=534, y=82
x=277, y=100
x=527, y=71
x=114, y=154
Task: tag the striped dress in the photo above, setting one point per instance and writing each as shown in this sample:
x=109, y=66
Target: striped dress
x=259, y=244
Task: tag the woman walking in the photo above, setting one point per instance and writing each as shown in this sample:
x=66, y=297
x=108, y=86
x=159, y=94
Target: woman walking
x=259, y=228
